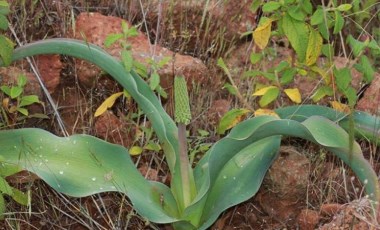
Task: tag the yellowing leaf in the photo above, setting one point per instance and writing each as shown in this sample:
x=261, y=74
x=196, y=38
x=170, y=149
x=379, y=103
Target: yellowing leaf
x=231, y=118
x=293, y=94
x=269, y=112
x=314, y=47
x=135, y=150
x=340, y=107
x=261, y=34
x=323, y=74
x=108, y=103
x=263, y=91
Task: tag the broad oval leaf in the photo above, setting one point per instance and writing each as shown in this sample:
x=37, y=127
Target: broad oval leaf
x=269, y=96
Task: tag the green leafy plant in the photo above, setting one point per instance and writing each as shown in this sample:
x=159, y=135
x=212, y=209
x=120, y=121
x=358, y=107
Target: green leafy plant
x=229, y=173
x=309, y=31
x=15, y=102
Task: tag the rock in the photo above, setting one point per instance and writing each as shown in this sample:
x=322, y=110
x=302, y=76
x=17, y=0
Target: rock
x=217, y=110
x=330, y=209
x=112, y=129
x=289, y=174
x=308, y=219
x=94, y=28
x=370, y=102
x=49, y=67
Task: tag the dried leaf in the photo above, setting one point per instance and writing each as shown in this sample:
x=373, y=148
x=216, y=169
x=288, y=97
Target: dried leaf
x=108, y=103
x=261, y=34
x=294, y=95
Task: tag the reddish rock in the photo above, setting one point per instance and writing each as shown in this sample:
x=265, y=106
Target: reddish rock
x=111, y=128
x=370, y=102
x=49, y=67
x=330, y=209
x=94, y=28
x=308, y=219
x=217, y=110
x=289, y=174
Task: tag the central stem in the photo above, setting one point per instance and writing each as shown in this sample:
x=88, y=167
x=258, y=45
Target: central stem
x=184, y=164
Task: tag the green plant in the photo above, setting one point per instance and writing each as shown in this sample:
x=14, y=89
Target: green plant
x=228, y=174
x=309, y=31
x=15, y=102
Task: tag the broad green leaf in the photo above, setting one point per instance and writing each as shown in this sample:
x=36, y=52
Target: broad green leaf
x=240, y=177
x=255, y=5
x=288, y=76
x=269, y=96
x=263, y=91
x=5, y=188
x=307, y=6
x=317, y=17
x=22, y=80
x=111, y=39
x=3, y=22
x=154, y=80
x=339, y=22
x=356, y=46
x=152, y=146
x=314, y=47
x=230, y=119
x=261, y=34
x=28, y=100
x=296, y=13
x=4, y=7
x=20, y=197
x=23, y=111
x=15, y=91
x=6, y=49
x=366, y=68
x=342, y=78
x=322, y=92
x=271, y=6
x=344, y=7
x=108, y=103
x=127, y=59
x=294, y=95
x=297, y=33
x=324, y=30
x=6, y=89
x=82, y=165
x=135, y=150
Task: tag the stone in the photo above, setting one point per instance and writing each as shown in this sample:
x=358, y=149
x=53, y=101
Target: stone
x=94, y=28
x=308, y=219
x=49, y=68
x=217, y=110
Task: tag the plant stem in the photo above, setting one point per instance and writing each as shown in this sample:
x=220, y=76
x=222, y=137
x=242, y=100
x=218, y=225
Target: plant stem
x=184, y=164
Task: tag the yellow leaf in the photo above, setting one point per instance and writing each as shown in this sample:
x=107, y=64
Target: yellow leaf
x=261, y=34
x=262, y=91
x=230, y=119
x=108, y=103
x=261, y=112
x=135, y=150
x=340, y=107
x=293, y=94
x=314, y=47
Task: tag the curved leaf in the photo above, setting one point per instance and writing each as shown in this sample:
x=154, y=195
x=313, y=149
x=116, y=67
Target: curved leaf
x=82, y=165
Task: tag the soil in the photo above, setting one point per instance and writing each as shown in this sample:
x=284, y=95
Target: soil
x=306, y=188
